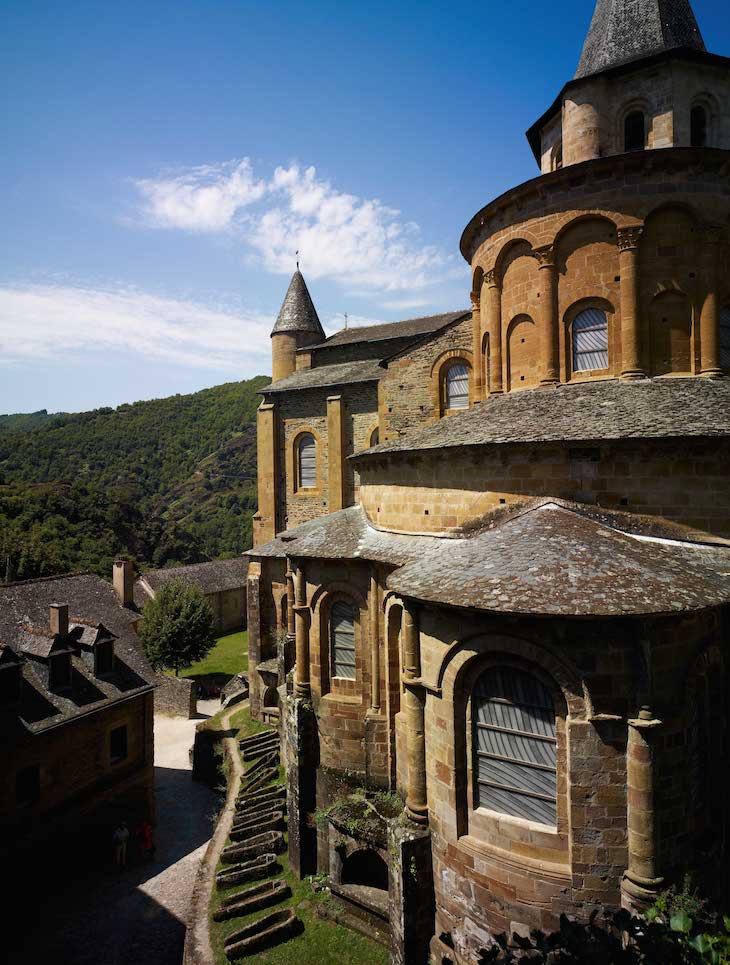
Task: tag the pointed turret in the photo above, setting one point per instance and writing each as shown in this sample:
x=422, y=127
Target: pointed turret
x=626, y=30
x=297, y=324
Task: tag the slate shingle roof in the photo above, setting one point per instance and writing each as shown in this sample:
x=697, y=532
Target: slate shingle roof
x=408, y=328
x=614, y=409
x=626, y=30
x=548, y=558
x=298, y=313
x=214, y=577
x=342, y=373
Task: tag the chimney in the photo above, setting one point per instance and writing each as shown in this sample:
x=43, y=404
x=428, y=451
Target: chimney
x=59, y=619
x=123, y=576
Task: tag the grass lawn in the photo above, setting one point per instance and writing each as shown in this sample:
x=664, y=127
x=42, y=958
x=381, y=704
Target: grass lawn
x=228, y=657
x=322, y=942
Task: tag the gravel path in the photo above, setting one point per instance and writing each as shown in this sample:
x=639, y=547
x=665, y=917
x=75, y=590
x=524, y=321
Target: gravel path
x=137, y=916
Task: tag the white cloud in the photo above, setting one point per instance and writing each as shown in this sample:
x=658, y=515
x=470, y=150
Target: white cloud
x=205, y=198
x=404, y=304
x=50, y=321
x=356, y=241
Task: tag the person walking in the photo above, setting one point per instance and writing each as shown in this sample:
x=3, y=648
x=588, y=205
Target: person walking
x=120, y=839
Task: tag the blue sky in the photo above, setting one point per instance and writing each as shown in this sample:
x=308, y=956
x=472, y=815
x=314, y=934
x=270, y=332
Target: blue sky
x=162, y=161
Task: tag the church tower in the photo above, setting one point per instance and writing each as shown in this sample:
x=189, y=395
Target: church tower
x=298, y=324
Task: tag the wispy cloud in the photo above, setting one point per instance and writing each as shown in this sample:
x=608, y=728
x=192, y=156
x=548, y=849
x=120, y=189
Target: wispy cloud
x=50, y=321
x=358, y=242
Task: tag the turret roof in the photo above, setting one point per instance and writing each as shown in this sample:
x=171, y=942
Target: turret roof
x=625, y=30
x=298, y=313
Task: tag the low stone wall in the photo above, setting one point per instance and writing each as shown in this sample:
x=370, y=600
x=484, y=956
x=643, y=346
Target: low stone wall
x=176, y=696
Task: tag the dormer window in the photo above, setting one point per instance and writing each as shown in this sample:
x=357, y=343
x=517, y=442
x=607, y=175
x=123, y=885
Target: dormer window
x=634, y=132
x=698, y=127
x=59, y=671
x=104, y=658
x=11, y=681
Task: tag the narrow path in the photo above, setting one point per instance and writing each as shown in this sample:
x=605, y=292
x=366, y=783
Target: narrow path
x=198, y=950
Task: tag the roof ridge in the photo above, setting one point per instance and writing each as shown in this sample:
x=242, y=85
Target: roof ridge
x=399, y=321
x=48, y=579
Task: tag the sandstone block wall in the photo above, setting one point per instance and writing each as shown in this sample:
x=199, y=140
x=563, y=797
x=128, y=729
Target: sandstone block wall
x=175, y=696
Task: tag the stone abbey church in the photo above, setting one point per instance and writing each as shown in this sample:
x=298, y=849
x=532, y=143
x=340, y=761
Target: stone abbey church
x=491, y=572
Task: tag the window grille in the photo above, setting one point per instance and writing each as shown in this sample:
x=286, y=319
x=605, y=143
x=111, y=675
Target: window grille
x=342, y=640
x=307, y=454
x=590, y=340
x=514, y=745
x=457, y=387
x=725, y=338
x=634, y=132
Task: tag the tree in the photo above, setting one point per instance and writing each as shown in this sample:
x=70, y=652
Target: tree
x=177, y=626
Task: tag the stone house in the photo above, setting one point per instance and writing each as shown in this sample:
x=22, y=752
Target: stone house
x=76, y=714
x=492, y=551
x=222, y=583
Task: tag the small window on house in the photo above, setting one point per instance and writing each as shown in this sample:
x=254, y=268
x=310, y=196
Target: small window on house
x=514, y=745
x=307, y=462
x=342, y=640
x=118, y=744
x=59, y=672
x=375, y=437
x=634, y=132
x=104, y=658
x=28, y=786
x=698, y=126
x=558, y=156
x=725, y=338
x=457, y=386
x=10, y=683
x=590, y=340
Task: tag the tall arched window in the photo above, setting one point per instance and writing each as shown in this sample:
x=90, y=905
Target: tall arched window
x=725, y=338
x=375, y=437
x=342, y=640
x=457, y=386
x=634, y=132
x=514, y=745
x=698, y=127
x=306, y=462
x=590, y=340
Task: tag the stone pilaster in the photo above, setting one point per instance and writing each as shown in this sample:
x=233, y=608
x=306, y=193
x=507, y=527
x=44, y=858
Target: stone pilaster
x=373, y=613
x=336, y=453
x=548, y=315
x=642, y=881
x=710, y=317
x=492, y=321
x=628, y=243
x=415, y=700
x=411, y=902
x=478, y=361
x=299, y=745
x=265, y=521
x=302, y=624
x=253, y=603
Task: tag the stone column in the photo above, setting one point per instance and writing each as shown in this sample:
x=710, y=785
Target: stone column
x=641, y=883
x=710, y=317
x=336, y=450
x=265, y=520
x=290, y=627
x=478, y=362
x=628, y=244
x=373, y=611
x=416, y=797
x=492, y=312
x=548, y=315
x=302, y=624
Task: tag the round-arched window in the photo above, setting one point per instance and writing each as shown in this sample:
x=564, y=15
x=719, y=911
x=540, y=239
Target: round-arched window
x=515, y=768
x=725, y=338
x=698, y=127
x=590, y=340
x=342, y=640
x=307, y=462
x=634, y=132
x=457, y=386
x=375, y=437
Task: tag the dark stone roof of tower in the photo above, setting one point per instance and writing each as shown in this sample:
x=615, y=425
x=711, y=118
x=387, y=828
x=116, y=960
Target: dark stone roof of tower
x=626, y=30
x=298, y=313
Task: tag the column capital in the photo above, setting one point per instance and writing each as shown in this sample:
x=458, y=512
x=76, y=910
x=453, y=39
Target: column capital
x=545, y=256
x=491, y=278
x=629, y=238
x=475, y=302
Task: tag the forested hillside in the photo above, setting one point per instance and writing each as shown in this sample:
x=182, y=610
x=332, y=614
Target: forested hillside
x=166, y=481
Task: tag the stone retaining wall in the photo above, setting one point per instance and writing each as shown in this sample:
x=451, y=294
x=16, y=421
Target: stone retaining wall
x=176, y=696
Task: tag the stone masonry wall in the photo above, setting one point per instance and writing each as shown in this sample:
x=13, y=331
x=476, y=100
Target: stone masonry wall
x=175, y=696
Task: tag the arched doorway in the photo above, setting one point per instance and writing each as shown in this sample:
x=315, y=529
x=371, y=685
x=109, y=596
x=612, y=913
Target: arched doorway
x=365, y=867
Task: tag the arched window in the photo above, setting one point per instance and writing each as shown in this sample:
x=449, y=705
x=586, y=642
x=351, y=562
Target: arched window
x=634, y=132
x=342, y=640
x=514, y=745
x=698, y=127
x=590, y=340
x=375, y=437
x=457, y=386
x=725, y=338
x=306, y=463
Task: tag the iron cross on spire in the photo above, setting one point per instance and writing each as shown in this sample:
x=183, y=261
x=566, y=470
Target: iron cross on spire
x=297, y=253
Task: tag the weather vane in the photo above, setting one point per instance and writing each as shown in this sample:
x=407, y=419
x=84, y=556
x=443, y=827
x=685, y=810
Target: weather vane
x=297, y=259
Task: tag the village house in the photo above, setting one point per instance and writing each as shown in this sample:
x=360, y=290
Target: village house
x=492, y=551
x=76, y=713
x=222, y=583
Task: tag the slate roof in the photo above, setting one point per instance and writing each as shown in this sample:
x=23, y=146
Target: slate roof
x=408, y=328
x=24, y=627
x=298, y=313
x=614, y=409
x=214, y=577
x=627, y=30
x=549, y=557
x=369, y=370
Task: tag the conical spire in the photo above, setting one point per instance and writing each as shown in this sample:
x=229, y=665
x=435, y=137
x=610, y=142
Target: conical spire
x=298, y=313
x=626, y=30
